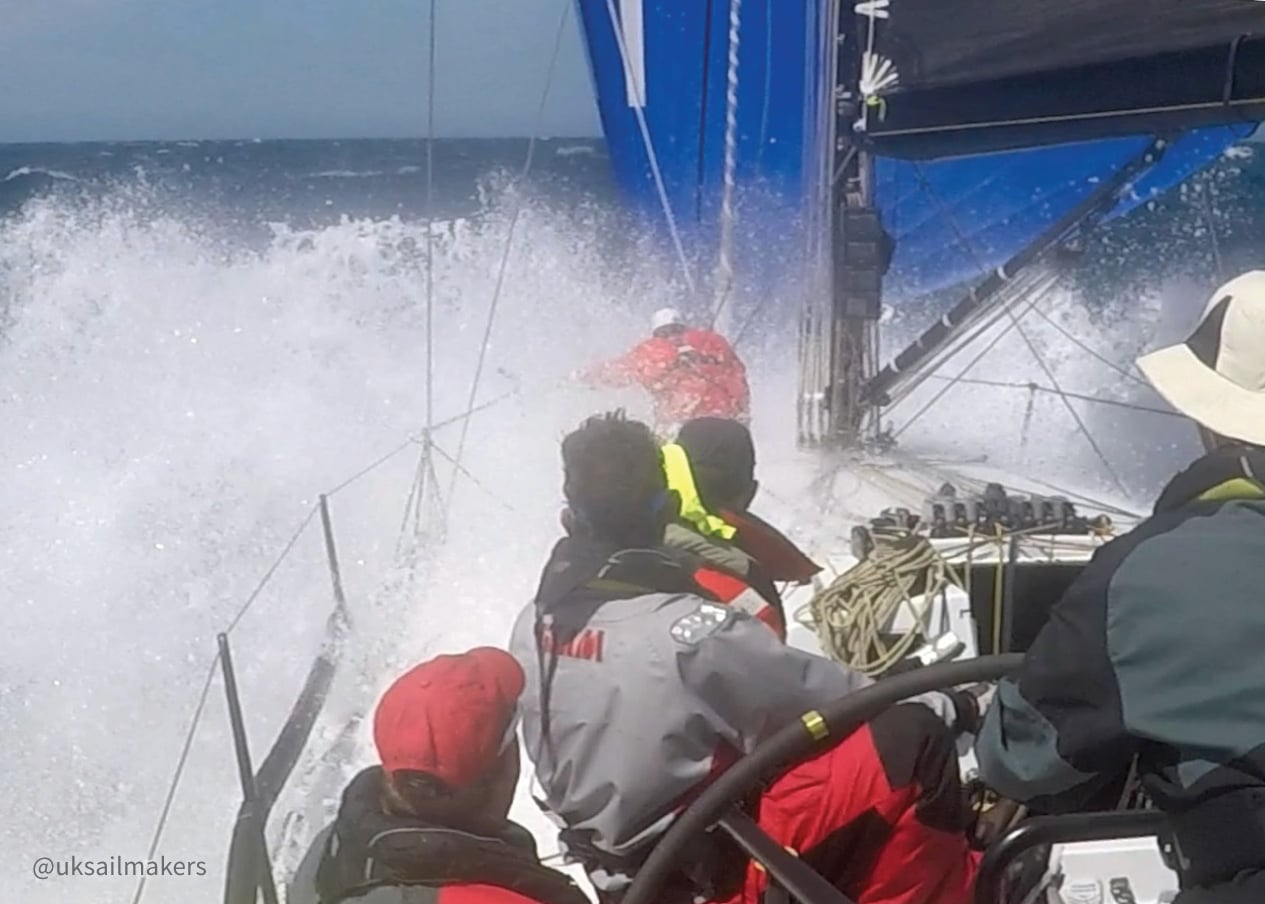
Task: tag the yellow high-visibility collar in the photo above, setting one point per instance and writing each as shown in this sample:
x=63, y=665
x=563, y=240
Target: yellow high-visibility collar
x=680, y=476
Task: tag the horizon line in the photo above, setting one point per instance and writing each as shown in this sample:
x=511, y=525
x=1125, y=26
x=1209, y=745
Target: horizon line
x=254, y=139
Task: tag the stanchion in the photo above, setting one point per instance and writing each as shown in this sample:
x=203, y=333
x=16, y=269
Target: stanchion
x=423, y=499
x=249, y=844
x=331, y=552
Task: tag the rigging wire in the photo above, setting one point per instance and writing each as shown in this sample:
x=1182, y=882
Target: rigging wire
x=1037, y=387
x=430, y=220
x=509, y=241
x=464, y=418
x=1083, y=346
x=1206, y=197
x=766, y=96
x=656, y=173
x=953, y=381
x=1036, y=354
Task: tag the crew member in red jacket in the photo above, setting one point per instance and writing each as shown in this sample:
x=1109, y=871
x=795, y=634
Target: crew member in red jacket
x=690, y=372
x=431, y=823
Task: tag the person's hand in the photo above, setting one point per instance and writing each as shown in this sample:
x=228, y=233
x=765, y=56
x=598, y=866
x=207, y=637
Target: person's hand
x=984, y=692
x=971, y=703
x=997, y=816
x=967, y=709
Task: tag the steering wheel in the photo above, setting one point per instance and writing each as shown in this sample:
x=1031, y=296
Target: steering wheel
x=812, y=733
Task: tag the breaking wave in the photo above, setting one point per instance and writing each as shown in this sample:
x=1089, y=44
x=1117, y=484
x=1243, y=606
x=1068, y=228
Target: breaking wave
x=176, y=402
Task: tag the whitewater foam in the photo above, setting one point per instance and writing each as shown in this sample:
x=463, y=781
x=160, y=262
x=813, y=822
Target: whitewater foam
x=176, y=405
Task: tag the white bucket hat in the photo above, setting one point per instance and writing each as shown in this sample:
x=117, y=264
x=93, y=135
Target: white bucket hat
x=1217, y=376
x=666, y=317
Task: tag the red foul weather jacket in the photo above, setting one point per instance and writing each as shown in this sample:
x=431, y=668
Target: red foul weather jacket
x=881, y=816
x=692, y=374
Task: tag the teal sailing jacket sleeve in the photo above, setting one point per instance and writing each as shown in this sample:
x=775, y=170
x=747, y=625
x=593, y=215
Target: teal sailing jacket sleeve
x=1055, y=732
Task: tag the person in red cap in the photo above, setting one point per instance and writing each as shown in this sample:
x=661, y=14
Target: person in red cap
x=431, y=823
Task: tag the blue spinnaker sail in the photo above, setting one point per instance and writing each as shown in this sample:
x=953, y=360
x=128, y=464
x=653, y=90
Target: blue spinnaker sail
x=953, y=219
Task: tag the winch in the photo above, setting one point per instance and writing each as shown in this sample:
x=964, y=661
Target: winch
x=948, y=514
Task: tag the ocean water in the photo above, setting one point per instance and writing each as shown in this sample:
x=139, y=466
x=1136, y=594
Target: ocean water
x=198, y=339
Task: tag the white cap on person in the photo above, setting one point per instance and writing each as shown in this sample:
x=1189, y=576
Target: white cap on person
x=666, y=317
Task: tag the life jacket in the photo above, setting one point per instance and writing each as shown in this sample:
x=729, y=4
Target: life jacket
x=1223, y=475
x=368, y=849
x=777, y=554
x=721, y=531
x=729, y=574
x=680, y=477
x=737, y=593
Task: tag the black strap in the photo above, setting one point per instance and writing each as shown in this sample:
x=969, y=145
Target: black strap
x=1220, y=837
x=775, y=894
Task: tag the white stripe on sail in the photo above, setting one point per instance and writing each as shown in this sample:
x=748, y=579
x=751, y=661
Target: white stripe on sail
x=632, y=23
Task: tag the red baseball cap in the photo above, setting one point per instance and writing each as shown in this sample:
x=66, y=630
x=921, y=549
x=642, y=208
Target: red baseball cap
x=448, y=717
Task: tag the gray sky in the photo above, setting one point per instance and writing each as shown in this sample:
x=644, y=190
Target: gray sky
x=143, y=69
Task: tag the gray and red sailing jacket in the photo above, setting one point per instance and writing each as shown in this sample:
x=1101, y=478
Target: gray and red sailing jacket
x=641, y=687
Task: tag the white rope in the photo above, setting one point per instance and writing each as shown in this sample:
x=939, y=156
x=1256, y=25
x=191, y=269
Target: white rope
x=724, y=265
x=853, y=617
x=639, y=112
x=853, y=614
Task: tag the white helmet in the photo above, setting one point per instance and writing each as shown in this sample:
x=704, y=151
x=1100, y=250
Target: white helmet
x=666, y=317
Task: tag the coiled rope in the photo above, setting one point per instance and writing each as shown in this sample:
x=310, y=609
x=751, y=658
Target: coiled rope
x=853, y=615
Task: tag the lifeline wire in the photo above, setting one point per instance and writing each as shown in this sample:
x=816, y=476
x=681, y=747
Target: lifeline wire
x=259, y=588
x=411, y=441
x=939, y=395
x=458, y=467
x=180, y=764
x=241, y=613
x=1071, y=409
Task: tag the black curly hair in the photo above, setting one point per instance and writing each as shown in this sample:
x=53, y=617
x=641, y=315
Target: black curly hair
x=614, y=481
